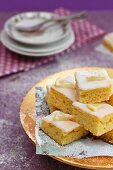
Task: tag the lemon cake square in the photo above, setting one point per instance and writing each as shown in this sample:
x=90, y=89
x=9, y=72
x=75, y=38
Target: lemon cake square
x=93, y=86
x=108, y=41
x=62, y=98
x=62, y=128
x=62, y=94
x=97, y=118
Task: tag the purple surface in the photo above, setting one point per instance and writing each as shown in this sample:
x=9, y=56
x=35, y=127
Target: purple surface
x=16, y=151
x=52, y=4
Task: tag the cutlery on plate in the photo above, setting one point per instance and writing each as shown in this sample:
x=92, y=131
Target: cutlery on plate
x=63, y=20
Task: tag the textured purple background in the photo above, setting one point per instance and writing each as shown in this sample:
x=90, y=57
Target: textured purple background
x=52, y=4
x=16, y=151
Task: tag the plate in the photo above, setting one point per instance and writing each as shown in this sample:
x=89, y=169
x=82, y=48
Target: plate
x=27, y=117
x=51, y=35
x=57, y=48
x=37, y=50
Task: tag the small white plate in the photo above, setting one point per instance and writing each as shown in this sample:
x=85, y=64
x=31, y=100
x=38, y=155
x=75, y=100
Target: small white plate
x=29, y=19
x=40, y=51
x=34, y=48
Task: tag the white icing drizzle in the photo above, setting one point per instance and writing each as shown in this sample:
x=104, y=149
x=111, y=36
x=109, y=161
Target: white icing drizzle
x=65, y=125
x=67, y=82
x=103, y=110
x=70, y=93
x=84, y=84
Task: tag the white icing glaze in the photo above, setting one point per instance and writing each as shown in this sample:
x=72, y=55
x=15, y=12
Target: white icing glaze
x=48, y=87
x=70, y=79
x=69, y=93
x=84, y=84
x=66, y=126
x=103, y=110
x=67, y=82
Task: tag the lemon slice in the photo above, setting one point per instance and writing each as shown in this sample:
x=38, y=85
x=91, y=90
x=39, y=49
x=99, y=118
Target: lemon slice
x=65, y=82
x=96, y=76
x=93, y=107
x=60, y=116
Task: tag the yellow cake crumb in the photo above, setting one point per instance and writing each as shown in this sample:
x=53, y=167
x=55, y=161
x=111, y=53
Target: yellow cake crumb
x=62, y=98
x=107, y=137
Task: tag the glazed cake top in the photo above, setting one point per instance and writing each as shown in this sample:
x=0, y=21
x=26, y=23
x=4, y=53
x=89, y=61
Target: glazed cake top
x=63, y=121
x=68, y=82
x=69, y=93
x=66, y=86
x=92, y=79
x=99, y=110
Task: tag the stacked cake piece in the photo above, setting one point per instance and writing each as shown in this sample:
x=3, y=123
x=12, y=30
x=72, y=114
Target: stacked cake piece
x=62, y=127
x=84, y=98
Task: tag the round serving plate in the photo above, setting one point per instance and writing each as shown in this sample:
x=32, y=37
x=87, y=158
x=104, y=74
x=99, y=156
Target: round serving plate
x=37, y=50
x=27, y=117
x=26, y=19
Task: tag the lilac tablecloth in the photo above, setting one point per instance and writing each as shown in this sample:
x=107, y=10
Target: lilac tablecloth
x=16, y=151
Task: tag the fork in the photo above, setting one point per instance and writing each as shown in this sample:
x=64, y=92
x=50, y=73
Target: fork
x=61, y=20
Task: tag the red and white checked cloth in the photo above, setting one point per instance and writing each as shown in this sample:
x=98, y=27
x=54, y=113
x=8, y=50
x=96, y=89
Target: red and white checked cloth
x=11, y=62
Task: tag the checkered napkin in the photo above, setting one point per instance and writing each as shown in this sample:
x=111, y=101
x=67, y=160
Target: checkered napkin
x=11, y=62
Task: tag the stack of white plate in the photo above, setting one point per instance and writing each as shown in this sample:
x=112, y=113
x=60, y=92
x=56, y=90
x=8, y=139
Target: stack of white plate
x=51, y=41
